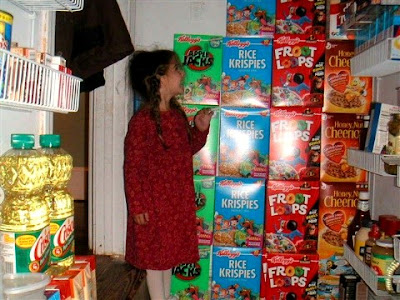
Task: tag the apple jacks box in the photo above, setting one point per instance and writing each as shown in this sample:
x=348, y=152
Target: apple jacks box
x=235, y=273
x=239, y=212
x=246, y=72
x=291, y=224
x=244, y=142
x=204, y=198
x=201, y=57
x=295, y=143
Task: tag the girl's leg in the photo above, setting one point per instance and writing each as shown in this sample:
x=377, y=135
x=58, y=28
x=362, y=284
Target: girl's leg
x=155, y=284
x=167, y=282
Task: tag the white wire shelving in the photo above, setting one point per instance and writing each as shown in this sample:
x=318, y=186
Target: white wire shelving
x=49, y=5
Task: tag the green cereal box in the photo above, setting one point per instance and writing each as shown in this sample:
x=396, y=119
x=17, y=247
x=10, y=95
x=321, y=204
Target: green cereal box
x=205, y=161
x=191, y=281
x=204, y=187
x=201, y=57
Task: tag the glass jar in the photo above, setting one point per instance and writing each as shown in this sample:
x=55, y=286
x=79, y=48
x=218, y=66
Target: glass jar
x=382, y=257
x=393, y=145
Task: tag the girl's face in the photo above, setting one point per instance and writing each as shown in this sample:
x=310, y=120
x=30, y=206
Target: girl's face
x=172, y=81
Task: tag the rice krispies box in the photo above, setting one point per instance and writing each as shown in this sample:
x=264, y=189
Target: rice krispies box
x=239, y=212
x=204, y=187
x=205, y=160
x=295, y=147
x=337, y=207
x=201, y=57
x=246, y=72
x=340, y=132
x=250, y=18
x=191, y=281
x=289, y=276
x=291, y=224
x=298, y=71
x=236, y=273
x=300, y=17
x=343, y=92
x=244, y=142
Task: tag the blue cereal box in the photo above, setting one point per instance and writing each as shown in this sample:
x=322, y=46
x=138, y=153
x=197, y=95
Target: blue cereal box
x=236, y=273
x=239, y=212
x=244, y=142
x=250, y=18
x=204, y=198
x=246, y=72
x=191, y=281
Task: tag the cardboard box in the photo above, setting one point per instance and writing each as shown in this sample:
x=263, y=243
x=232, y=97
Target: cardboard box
x=204, y=197
x=91, y=259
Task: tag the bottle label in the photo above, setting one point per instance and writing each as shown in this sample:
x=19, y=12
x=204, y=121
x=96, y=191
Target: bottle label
x=62, y=239
x=2, y=195
x=363, y=205
x=26, y=251
x=380, y=263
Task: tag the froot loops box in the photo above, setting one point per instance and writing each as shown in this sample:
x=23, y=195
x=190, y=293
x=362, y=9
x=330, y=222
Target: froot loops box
x=250, y=18
x=300, y=17
x=205, y=160
x=204, y=187
x=236, y=273
x=239, y=212
x=295, y=144
x=289, y=276
x=201, y=58
x=291, y=224
x=191, y=281
x=244, y=142
x=344, y=93
x=246, y=72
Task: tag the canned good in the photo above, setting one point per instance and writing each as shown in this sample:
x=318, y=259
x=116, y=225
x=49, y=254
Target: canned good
x=6, y=21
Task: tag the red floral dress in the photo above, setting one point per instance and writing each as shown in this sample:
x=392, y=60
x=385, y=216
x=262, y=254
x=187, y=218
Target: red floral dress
x=160, y=182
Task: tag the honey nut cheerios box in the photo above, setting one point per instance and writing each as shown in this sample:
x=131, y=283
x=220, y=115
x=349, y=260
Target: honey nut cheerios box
x=344, y=93
x=236, y=273
x=246, y=72
x=204, y=187
x=250, y=18
x=295, y=143
x=341, y=132
x=291, y=218
x=298, y=71
x=239, y=212
x=300, y=17
x=201, y=58
x=205, y=160
x=192, y=280
x=244, y=142
x=289, y=276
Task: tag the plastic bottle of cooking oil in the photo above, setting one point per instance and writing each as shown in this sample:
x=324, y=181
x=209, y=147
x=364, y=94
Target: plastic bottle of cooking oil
x=59, y=200
x=25, y=223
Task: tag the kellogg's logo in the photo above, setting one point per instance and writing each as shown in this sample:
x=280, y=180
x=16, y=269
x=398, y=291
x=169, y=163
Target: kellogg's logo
x=189, y=110
x=230, y=183
x=282, y=260
x=238, y=44
x=188, y=39
x=198, y=59
x=281, y=113
x=228, y=253
x=287, y=40
x=282, y=187
x=235, y=114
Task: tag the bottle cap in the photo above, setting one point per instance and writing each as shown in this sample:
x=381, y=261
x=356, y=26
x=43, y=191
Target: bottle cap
x=391, y=227
x=22, y=141
x=50, y=140
x=374, y=232
x=386, y=243
x=363, y=195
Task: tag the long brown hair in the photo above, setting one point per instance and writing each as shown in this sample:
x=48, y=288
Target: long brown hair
x=145, y=70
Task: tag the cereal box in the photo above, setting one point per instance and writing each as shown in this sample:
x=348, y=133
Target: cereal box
x=328, y=287
x=244, y=142
x=300, y=17
x=340, y=132
x=236, y=273
x=204, y=197
x=191, y=281
x=201, y=57
x=343, y=92
x=239, y=212
x=289, y=276
x=295, y=144
x=250, y=18
x=205, y=161
x=246, y=72
x=298, y=70
x=291, y=224
x=337, y=207
x=337, y=17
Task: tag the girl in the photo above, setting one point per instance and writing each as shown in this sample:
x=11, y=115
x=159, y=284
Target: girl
x=159, y=146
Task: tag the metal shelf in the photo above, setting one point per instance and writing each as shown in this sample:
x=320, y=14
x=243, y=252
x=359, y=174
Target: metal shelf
x=367, y=161
x=49, y=5
x=26, y=84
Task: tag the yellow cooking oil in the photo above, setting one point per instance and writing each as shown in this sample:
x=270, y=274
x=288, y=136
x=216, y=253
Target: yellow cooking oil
x=25, y=222
x=59, y=201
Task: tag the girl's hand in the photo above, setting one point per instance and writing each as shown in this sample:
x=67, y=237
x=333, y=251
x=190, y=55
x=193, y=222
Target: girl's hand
x=203, y=118
x=141, y=219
